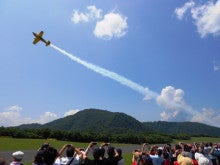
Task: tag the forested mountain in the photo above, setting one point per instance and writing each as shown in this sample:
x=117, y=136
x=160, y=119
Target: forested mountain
x=192, y=128
x=95, y=120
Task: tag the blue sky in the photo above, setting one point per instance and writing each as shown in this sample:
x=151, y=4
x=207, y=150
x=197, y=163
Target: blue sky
x=153, y=60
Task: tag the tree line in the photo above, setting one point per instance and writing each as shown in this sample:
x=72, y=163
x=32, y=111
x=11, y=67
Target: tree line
x=77, y=136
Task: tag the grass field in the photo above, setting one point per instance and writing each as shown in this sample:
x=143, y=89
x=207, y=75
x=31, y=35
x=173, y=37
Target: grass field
x=199, y=140
x=9, y=144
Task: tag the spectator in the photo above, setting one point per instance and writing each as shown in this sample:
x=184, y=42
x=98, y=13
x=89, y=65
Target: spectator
x=166, y=158
x=144, y=159
x=135, y=155
x=17, y=158
x=175, y=152
x=3, y=161
x=214, y=152
x=112, y=158
x=120, y=158
x=49, y=155
x=157, y=156
x=73, y=156
x=38, y=159
x=98, y=155
x=200, y=157
x=207, y=149
x=184, y=159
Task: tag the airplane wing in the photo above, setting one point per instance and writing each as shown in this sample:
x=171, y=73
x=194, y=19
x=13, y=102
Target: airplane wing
x=41, y=33
x=36, y=40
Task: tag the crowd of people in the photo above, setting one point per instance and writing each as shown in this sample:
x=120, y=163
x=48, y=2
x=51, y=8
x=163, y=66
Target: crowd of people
x=105, y=154
x=179, y=154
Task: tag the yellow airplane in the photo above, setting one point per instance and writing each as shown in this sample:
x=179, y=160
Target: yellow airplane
x=38, y=37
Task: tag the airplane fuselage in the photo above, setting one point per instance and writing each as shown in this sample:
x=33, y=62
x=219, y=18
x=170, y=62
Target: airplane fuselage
x=38, y=37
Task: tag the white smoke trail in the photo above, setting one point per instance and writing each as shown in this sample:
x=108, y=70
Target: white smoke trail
x=112, y=75
x=164, y=99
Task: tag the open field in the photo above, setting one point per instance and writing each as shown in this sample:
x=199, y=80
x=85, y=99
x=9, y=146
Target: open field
x=199, y=140
x=29, y=146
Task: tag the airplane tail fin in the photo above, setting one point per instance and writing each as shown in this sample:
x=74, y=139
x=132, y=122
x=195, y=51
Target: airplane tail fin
x=47, y=43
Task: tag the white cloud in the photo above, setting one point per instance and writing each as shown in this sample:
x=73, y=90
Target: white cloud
x=171, y=98
x=71, y=112
x=176, y=109
x=47, y=117
x=11, y=116
x=180, y=12
x=213, y=117
x=79, y=17
x=93, y=13
x=113, y=25
x=206, y=17
x=216, y=67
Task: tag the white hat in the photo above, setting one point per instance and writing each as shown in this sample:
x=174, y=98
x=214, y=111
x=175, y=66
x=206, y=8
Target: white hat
x=18, y=155
x=160, y=148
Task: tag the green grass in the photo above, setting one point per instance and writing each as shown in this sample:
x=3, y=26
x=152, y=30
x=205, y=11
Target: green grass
x=8, y=143
x=127, y=158
x=199, y=140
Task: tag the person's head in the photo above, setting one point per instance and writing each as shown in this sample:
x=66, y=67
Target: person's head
x=177, y=147
x=49, y=155
x=98, y=154
x=44, y=146
x=3, y=161
x=187, y=147
x=201, y=148
x=111, y=151
x=136, y=154
x=159, y=152
x=119, y=151
x=17, y=156
x=70, y=151
x=38, y=159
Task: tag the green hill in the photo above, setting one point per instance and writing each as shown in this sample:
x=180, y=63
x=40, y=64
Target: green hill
x=95, y=120
x=192, y=128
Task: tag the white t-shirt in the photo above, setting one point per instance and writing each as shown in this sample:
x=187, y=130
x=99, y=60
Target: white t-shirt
x=202, y=160
x=15, y=163
x=66, y=160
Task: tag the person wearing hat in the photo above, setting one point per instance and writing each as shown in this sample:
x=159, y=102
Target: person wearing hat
x=17, y=158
